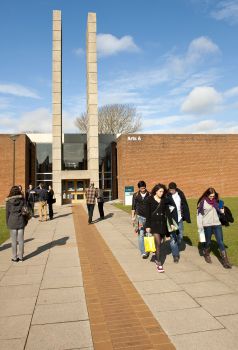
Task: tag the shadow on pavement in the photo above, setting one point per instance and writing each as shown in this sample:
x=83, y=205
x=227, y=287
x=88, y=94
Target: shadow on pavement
x=41, y=249
x=8, y=245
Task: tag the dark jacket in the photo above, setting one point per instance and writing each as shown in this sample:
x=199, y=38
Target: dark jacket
x=14, y=218
x=50, y=197
x=157, y=215
x=42, y=194
x=30, y=196
x=184, y=206
x=139, y=203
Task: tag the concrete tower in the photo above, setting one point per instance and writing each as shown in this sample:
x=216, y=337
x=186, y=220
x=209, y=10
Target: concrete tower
x=57, y=104
x=92, y=100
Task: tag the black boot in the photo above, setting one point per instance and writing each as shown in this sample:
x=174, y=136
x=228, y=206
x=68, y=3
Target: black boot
x=225, y=262
x=207, y=255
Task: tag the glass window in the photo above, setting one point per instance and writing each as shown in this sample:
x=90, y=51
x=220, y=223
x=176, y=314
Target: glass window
x=75, y=152
x=80, y=196
x=44, y=158
x=70, y=185
x=80, y=185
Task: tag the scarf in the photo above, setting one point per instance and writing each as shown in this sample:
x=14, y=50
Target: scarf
x=213, y=202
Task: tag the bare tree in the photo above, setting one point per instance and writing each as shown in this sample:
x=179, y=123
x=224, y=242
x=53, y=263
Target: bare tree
x=113, y=119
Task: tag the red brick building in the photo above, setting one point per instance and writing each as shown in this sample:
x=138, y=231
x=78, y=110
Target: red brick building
x=194, y=162
x=24, y=165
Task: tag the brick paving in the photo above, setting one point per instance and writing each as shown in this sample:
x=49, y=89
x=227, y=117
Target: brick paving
x=119, y=317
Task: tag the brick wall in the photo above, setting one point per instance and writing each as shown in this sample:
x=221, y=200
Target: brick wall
x=194, y=162
x=22, y=145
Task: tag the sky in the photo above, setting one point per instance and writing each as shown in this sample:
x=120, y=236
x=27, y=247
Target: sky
x=174, y=60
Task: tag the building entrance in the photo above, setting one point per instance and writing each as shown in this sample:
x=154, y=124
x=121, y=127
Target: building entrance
x=73, y=191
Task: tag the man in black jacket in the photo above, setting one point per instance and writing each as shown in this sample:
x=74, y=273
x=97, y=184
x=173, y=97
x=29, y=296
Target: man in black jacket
x=180, y=212
x=138, y=215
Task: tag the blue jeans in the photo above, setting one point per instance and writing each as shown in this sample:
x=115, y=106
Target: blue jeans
x=176, y=238
x=217, y=230
x=141, y=233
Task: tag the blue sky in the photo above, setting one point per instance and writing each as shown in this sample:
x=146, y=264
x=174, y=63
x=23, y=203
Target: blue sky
x=175, y=60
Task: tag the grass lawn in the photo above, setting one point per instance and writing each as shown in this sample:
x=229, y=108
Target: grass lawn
x=191, y=234
x=4, y=233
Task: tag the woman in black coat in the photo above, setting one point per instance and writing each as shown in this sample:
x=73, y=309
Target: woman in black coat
x=157, y=215
x=16, y=222
x=50, y=201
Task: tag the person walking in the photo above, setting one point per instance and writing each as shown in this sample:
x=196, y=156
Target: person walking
x=100, y=201
x=91, y=195
x=50, y=201
x=180, y=213
x=16, y=221
x=138, y=215
x=30, y=199
x=42, y=197
x=158, y=218
x=208, y=220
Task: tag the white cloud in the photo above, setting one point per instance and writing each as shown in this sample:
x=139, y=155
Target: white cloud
x=173, y=119
x=202, y=100
x=79, y=52
x=108, y=44
x=208, y=126
x=18, y=90
x=231, y=92
x=4, y=103
x=36, y=120
x=227, y=11
x=199, y=47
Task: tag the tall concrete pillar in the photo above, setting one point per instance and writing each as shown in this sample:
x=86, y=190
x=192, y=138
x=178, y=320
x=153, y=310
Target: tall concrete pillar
x=92, y=100
x=57, y=104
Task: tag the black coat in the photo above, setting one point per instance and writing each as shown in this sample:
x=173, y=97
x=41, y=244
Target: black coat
x=139, y=203
x=50, y=197
x=185, y=212
x=14, y=218
x=157, y=215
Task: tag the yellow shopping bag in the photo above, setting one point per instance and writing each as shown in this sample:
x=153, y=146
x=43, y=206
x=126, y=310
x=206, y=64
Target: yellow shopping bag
x=149, y=244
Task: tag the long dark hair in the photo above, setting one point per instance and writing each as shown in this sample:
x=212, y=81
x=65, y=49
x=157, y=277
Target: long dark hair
x=207, y=193
x=158, y=187
x=15, y=191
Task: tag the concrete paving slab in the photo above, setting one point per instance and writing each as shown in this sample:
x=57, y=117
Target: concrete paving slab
x=18, y=292
x=230, y=322
x=61, y=282
x=13, y=307
x=208, y=288
x=187, y=321
x=59, y=336
x=68, y=271
x=5, y=267
x=212, y=340
x=189, y=276
x=61, y=295
x=14, y=326
x=170, y=301
x=20, y=279
x=67, y=312
x=12, y=344
x=162, y=286
x=220, y=305
x=137, y=275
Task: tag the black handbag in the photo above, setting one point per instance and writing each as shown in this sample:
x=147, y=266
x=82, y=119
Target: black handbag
x=53, y=200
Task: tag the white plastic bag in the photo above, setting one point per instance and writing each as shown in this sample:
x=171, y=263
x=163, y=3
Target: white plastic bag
x=201, y=235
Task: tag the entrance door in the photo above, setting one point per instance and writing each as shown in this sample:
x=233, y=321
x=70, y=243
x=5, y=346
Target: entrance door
x=74, y=191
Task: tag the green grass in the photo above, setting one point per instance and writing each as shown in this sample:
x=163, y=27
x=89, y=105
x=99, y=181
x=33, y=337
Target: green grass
x=4, y=233
x=230, y=233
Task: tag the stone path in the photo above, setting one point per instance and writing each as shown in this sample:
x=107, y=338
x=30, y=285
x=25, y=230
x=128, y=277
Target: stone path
x=42, y=300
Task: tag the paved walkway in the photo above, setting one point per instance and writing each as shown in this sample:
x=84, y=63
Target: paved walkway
x=42, y=300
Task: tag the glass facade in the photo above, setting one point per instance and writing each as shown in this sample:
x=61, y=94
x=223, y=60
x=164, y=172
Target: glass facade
x=44, y=163
x=74, y=157
x=75, y=152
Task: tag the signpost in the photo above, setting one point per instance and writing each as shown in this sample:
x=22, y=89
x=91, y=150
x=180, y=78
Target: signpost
x=129, y=190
